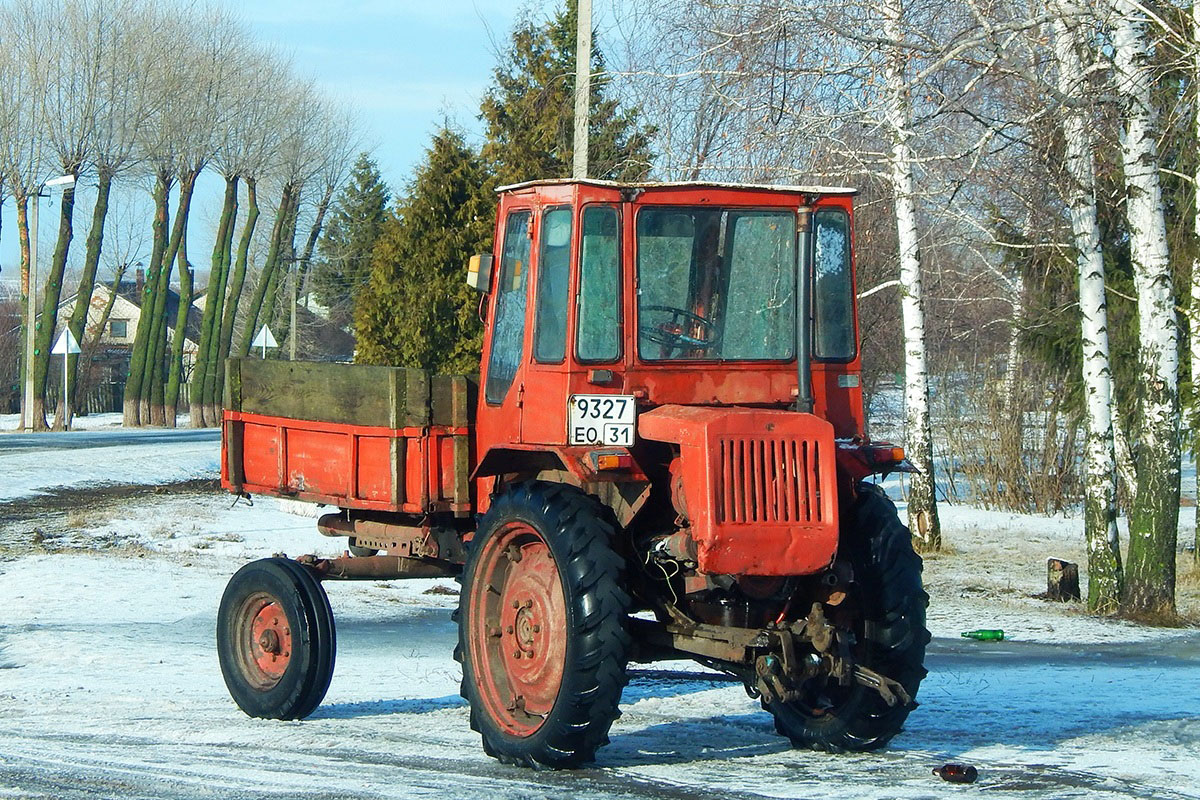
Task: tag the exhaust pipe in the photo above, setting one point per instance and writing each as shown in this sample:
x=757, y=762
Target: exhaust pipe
x=804, y=283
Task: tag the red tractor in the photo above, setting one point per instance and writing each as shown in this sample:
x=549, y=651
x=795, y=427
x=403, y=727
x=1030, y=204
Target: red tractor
x=663, y=457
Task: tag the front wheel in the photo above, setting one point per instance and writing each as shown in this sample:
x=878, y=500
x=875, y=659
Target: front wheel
x=542, y=635
x=885, y=612
x=275, y=639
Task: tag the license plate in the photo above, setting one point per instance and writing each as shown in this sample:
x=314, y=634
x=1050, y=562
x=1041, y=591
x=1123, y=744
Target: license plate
x=606, y=419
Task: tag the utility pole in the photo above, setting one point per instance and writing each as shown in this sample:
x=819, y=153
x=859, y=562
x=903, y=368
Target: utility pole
x=583, y=89
x=31, y=311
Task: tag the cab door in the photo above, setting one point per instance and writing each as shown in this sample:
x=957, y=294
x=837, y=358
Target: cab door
x=502, y=391
x=543, y=415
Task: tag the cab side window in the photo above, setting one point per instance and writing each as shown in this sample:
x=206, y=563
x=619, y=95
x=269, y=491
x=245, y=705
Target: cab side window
x=508, y=333
x=554, y=271
x=598, y=328
x=833, y=301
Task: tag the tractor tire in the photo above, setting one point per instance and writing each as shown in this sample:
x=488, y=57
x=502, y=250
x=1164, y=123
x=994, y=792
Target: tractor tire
x=275, y=639
x=888, y=618
x=542, y=627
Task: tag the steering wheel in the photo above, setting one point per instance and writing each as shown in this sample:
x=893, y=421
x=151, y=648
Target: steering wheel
x=671, y=333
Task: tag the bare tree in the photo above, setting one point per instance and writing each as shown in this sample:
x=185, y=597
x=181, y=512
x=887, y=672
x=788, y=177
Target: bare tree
x=126, y=41
x=251, y=154
x=221, y=56
x=71, y=99
x=300, y=161
x=23, y=73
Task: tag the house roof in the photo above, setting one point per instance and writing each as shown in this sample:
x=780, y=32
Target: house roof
x=129, y=291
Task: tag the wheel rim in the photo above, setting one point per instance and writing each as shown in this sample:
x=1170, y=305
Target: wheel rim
x=518, y=628
x=263, y=639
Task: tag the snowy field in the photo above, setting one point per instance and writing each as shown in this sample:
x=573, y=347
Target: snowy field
x=109, y=685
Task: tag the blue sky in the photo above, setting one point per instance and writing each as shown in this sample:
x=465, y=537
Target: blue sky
x=402, y=67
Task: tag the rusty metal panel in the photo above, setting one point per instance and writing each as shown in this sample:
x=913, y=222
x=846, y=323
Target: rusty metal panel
x=760, y=486
x=373, y=470
x=317, y=461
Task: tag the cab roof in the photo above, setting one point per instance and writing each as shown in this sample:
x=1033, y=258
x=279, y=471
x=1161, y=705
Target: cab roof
x=759, y=187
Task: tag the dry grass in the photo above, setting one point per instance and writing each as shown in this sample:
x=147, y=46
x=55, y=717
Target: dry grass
x=87, y=518
x=1187, y=588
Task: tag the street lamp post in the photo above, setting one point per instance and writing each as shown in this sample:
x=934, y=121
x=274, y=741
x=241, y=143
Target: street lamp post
x=65, y=182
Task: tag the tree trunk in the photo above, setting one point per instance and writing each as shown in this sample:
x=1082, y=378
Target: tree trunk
x=235, y=293
x=134, y=385
x=1100, y=480
x=218, y=277
x=1194, y=327
x=44, y=329
x=286, y=265
x=314, y=233
x=1012, y=363
x=1153, y=526
x=922, y=502
x=268, y=272
x=87, y=284
x=180, y=335
x=155, y=375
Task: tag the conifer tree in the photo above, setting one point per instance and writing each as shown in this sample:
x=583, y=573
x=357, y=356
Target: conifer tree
x=344, y=252
x=416, y=309
x=529, y=111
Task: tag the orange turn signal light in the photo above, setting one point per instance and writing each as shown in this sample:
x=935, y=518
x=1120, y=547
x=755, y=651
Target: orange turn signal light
x=885, y=454
x=612, y=461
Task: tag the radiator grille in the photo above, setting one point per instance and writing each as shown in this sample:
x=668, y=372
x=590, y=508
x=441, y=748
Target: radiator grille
x=768, y=480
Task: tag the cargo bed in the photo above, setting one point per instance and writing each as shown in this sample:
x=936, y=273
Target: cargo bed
x=351, y=435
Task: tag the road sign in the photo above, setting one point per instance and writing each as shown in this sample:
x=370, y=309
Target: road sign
x=264, y=340
x=66, y=344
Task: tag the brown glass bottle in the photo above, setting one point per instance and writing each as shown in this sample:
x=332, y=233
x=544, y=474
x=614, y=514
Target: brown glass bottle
x=957, y=773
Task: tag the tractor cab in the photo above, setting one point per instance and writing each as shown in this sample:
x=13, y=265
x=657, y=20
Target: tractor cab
x=701, y=336
x=666, y=293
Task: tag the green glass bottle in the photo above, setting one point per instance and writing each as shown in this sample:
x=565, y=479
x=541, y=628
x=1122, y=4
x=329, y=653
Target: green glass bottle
x=985, y=635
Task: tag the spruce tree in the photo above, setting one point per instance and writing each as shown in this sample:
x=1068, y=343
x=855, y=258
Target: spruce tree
x=529, y=111
x=344, y=252
x=416, y=309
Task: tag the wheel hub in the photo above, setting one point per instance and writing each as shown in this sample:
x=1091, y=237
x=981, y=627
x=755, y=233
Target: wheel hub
x=517, y=606
x=268, y=639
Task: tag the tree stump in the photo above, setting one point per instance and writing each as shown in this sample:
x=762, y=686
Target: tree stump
x=1062, y=580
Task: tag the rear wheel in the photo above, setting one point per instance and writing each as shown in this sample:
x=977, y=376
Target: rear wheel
x=542, y=635
x=885, y=610
x=275, y=639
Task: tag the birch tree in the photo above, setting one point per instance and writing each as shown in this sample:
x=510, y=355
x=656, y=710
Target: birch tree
x=922, y=504
x=1100, y=513
x=1194, y=342
x=1153, y=526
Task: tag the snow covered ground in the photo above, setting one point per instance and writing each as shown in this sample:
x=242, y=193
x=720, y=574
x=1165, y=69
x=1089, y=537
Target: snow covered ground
x=109, y=685
x=89, y=422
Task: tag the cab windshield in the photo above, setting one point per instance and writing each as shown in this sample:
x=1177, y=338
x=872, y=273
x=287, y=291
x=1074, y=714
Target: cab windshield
x=716, y=284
